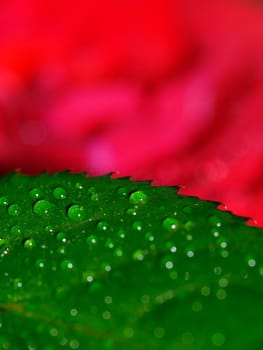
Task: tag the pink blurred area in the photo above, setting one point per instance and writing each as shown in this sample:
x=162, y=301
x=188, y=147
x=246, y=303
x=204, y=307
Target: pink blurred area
x=168, y=90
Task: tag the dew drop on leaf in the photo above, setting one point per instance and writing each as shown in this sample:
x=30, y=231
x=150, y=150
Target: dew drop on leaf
x=3, y=201
x=43, y=207
x=67, y=265
x=61, y=237
x=14, y=210
x=138, y=197
x=170, y=224
x=122, y=191
x=59, y=193
x=103, y=226
x=29, y=243
x=91, y=240
x=15, y=230
x=36, y=193
x=77, y=213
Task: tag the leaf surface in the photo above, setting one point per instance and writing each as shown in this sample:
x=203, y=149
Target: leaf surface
x=105, y=264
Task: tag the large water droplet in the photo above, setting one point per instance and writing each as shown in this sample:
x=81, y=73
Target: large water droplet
x=77, y=213
x=43, y=207
x=59, y=193
x=138, y=197
x=14, y=210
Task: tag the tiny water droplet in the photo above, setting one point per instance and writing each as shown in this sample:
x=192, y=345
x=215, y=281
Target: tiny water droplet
x=215, y=221
x=138, y=255
x=149, y=236
x=59, y=193
x=61, y=237
x=137, y=226
x=218, y=339
x=14, y=210
x=29, y=243
x=122, y=191
x=15, y=230
x=92, y=190
x=43, y=207
x=109, y=244
x=3, y=201
x=77, y=213
x=36, y=193
x=187, y=209
x=79, y=186
x=95, y=197
x=138, y=197
x=132, y=212
x=92, y=239
x=40, y=263
x=170, y=224
x=118, y=252
x=51, y=229
x=67, y=265
x=103, y=226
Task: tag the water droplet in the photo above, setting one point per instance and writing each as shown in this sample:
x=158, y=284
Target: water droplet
x=118, y=252
x=92, y=239
x=95, y=197
x=121, y=233
x=18, y=283
x=67, y=265
x=251, y=262
x=36, y=193
x=40, y=263
x=51, y=229
x=138, y=255
x=61, y=237
x=79, y=186
x=205, y=291
x=103, y=226
x=3, y=201
x=106, y=315
x=29, y=243
x=108, y=299
x=73, y=312
x=159, y=332
x=43, y=207
x=138, y=197
x=109, y=244
x=59, y=193
x=77, y=213
x=132, y=212
x=15, y=230
x=215, y=221
x=122, y=191
x=221, y=294
x=14, y=210
x=218, y=339
x=170, y=224
x=187, y=209
x=92, y=190
x=149, y=236
x=137, y=225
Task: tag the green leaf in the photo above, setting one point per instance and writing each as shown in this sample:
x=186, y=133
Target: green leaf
x=105, y=264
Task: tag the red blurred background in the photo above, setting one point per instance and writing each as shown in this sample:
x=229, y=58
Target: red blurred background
x=168, y=90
